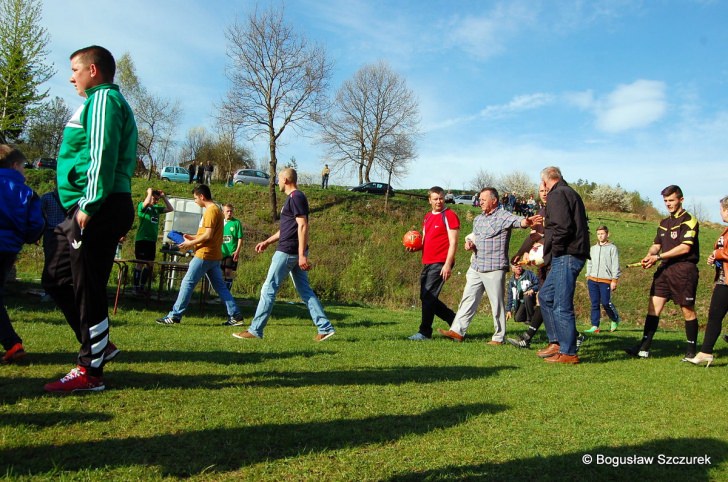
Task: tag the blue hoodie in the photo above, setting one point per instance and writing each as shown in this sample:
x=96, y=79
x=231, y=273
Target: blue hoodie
x=21, y=219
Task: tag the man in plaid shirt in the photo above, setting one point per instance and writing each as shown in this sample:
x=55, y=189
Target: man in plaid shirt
x=489, y=265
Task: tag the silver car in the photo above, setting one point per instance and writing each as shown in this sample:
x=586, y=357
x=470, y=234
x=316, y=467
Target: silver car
x=251, y=176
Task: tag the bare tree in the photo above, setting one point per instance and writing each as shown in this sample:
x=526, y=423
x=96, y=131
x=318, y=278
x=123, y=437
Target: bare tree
x=370, y=111
x=483, y=179
x=395, y=159
x=156, y=117
x=45, y=130
x=194, y=140
x=277, y=79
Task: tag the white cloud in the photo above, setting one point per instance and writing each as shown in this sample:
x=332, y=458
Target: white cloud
x=486, y=36
x=629, y=106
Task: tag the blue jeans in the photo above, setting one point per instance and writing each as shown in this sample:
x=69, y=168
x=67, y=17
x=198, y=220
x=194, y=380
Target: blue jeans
x=197, y=269
x=281, y=266
x=557, y=300
x=601, y=294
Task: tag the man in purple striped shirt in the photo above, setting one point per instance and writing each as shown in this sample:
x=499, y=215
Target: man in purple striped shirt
x=489, y=265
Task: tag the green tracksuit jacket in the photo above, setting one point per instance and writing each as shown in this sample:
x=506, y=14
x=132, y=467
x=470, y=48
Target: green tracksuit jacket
x=98, y=153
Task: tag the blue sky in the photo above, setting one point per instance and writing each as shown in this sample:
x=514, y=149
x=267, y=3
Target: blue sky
x=618, y=92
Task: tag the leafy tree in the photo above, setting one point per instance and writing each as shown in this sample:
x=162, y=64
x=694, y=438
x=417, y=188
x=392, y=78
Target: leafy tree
x=276, y=78
x=156, y=117
x=23, y=51
x=371, y=111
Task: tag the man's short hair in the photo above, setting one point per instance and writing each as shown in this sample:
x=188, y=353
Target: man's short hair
x=100, y=57
x=493, y=192
x=290, y=174
x=603, y=228
x=228, y=205
x=672, y=189
x=10, y=156
x=552, y=173
x=724, y=202
x=436, y=190
x=203, y=190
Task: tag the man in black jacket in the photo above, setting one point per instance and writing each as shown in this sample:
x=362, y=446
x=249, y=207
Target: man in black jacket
x=566, y=247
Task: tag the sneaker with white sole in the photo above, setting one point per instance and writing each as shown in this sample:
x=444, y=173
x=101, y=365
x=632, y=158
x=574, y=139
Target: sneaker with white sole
x=167, y=320
x=637, y=351
x=519, y=342
x=76, y=381
x=234, y=320
x=323, y=336
x=419, y=337
x=579, y=340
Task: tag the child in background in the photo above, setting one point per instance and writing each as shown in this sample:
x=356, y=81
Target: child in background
x=602, y=273
x=21, y=221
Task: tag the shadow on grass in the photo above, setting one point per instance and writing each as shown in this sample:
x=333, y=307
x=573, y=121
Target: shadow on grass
x=382, y=376
x=220, y=450
x=50, y=419
x=155, y=356
x=570, y=466
x=366, y=324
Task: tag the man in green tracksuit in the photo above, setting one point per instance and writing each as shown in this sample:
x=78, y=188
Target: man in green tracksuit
x=95, y=164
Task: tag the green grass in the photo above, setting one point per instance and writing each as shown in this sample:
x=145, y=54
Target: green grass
x=191, y=401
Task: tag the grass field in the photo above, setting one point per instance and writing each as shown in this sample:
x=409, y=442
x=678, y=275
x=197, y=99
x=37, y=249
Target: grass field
x=191, y=401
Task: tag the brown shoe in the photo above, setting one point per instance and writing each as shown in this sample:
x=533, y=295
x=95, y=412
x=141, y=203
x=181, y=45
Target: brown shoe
x=245, y=335
x=451, y=334
x=494, y=343
x=561, y=358
x=549, y=351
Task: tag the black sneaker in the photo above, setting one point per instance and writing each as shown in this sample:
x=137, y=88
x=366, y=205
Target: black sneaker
x=519, y=342
x=579, y=340
x=167, y=320
x=234, y=320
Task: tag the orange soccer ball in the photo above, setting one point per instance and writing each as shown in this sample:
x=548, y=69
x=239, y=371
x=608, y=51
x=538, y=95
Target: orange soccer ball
x=412, y=239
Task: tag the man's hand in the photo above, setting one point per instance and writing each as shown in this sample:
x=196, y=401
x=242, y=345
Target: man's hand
x=82, y=219
x=509, y=315
x=446, y=271
x=613, y=286
x=235, y=256
x=470, y=246
x=303, y=263
x=260, y=247
x=649, y=260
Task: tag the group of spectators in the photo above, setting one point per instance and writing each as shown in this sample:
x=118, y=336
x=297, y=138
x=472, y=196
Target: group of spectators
x=201, y=172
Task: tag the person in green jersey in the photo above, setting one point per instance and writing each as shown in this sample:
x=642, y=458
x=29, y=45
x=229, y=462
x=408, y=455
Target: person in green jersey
x=145, y=242
x=232, y=243
x=96, y=161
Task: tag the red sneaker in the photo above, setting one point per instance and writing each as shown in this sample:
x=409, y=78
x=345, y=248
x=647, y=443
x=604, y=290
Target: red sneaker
x=14, y=354
x=76, y=381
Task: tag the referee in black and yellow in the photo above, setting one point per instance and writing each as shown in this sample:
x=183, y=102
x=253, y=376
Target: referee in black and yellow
x=676, y=249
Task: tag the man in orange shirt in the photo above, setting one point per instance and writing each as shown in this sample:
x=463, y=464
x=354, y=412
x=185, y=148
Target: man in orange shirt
x=207, y=244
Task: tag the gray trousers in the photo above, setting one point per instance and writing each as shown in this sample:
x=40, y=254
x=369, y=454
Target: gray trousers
x=492, y=283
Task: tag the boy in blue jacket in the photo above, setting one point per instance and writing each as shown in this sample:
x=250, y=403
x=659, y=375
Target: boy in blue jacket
x=21, y=221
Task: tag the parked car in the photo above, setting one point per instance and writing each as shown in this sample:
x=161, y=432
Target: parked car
x=174, y=174
x=374, y=188
x=251, y=176
x=45, y=163
x=464, y=199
